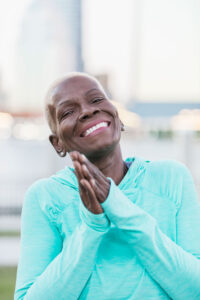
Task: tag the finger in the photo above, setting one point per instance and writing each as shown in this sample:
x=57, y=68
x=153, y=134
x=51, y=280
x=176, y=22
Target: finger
x=87, y=186
x=89, y=177
x=81, y=173
x=86, y=194
x=74, y=155
x=86, y=172
x=92, y=169
x=82, y=188
x=78, y=170
x=92, y=203
x=89, y=189
x=83, y=160
x=93, y=184
x=101, y=189
x=81, y=157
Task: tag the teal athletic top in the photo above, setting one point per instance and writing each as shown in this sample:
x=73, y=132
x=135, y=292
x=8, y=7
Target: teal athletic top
x=145, y=245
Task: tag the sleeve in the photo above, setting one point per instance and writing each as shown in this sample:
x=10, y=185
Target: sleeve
x=176, y=268
x=50, y=268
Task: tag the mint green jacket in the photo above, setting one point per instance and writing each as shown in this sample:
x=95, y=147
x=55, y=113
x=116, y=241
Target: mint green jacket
x=145, y=245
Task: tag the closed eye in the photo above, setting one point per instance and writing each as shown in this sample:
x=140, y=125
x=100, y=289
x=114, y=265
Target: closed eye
x=97, y=100
x=67, y=114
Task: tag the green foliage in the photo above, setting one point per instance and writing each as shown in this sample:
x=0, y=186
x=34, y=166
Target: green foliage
x=9, y=233
x=197, y=133
x=7, y=282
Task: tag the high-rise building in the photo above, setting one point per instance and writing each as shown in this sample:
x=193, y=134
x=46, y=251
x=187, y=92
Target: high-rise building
x=49, y=46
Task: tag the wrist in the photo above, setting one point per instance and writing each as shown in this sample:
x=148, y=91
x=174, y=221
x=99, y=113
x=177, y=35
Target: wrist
x=106, y=190
x=99, y=222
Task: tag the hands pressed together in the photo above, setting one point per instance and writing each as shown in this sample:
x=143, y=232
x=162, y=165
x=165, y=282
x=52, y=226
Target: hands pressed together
x=93, y=184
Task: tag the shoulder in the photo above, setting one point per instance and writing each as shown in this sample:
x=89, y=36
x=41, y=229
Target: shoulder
x=53, y=194
x=63, y=180
x=166, y=167
x=39, y=184
x=36, y=187
x=39, y=187
x=34, y=197
x=165, y=178
x=37, y=194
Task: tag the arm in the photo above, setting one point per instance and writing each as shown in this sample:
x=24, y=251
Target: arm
x=50, y=268
x=176, y=268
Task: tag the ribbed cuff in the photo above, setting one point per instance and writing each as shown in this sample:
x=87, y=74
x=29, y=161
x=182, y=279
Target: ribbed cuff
x=111, y=195
x=99, y=222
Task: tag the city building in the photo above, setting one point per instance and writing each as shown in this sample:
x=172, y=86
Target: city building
x=48, y=46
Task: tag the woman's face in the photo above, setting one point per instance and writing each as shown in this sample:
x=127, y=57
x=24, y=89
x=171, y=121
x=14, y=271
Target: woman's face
x=86, y=120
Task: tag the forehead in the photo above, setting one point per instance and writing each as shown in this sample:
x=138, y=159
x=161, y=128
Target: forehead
x=74, y=87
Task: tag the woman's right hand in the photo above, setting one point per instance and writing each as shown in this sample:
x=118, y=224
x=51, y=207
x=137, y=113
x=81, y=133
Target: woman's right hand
x=86, y=191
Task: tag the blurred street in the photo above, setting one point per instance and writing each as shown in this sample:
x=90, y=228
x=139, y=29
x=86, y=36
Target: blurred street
x=43, y=162
x=9, y=254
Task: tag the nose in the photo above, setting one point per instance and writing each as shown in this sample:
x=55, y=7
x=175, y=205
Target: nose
x=88, y=112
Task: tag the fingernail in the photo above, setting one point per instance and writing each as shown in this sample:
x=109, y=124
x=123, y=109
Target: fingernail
x=82, y=182
x=83, y=157
x=93, y=181
x=85, y=168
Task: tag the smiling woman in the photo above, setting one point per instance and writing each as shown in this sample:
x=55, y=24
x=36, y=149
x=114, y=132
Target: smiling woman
x=106, y=228
x=74, y=106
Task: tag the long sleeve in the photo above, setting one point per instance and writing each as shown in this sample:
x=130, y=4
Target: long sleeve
x=175, y=267
x=52, y=268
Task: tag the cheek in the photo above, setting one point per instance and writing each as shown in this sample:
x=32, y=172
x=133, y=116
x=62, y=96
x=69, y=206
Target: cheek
x=65, y=131
x=118, y=122
x=109, y=108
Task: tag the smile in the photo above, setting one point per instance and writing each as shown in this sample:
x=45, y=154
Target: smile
x=97, y=128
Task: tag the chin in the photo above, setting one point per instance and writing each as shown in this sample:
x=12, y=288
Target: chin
x=100, y=150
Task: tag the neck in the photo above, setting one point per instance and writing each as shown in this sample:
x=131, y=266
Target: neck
x=112, y=165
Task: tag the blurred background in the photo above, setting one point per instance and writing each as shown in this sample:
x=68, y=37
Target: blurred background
x=146, y=53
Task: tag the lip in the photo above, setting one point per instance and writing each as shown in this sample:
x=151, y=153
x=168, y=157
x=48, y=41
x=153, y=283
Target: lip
x=93, y=124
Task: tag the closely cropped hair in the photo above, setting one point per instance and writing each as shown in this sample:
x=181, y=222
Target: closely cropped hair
x=50, y=117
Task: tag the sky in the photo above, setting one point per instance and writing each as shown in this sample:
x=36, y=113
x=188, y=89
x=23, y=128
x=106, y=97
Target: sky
x=108, y=43
x=107, y=18
x=149, y=48
x=11, y=13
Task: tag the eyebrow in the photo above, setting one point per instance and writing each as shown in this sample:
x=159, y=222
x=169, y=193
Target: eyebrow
x=70, y=101
x=94, y=89
x=66, y=102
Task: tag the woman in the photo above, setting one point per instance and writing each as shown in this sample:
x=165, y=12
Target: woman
x=107, y=228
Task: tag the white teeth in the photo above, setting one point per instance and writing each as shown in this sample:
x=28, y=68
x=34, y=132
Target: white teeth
x=102, y=124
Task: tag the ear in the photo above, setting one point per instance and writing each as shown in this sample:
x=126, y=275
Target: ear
x=122, y=126
x=60, y=149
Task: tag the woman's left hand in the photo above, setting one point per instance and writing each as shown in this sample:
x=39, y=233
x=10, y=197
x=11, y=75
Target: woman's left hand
x=99, y=182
